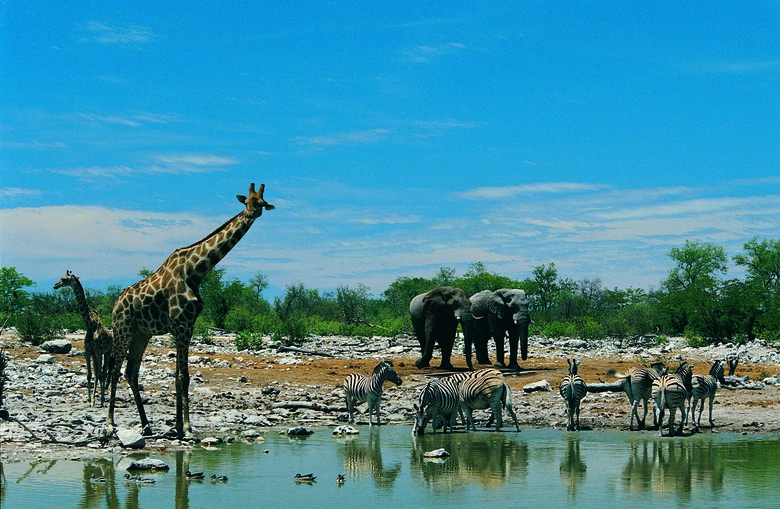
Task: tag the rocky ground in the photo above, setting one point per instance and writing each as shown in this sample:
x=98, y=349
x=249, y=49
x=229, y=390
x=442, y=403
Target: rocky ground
x=240, y=394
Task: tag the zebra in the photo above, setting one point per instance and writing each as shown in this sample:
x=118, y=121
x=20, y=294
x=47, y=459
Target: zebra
x=438, y=399
x=685, y=372
x=359, y=388
x=638, y=386
x=704, y=387
x=669, y=392
x=573, y=389
x=486, y=389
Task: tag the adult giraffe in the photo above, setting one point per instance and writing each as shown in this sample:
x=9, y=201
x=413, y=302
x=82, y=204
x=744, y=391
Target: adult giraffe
x=168, y=301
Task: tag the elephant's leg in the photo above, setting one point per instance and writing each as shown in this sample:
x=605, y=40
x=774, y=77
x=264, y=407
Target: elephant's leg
x=446, y=352
x=498, y=337
x=482, y=351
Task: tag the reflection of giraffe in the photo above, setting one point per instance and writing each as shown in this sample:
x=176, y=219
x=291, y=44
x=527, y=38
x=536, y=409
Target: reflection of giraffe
x=97, y=342
x=168, y=301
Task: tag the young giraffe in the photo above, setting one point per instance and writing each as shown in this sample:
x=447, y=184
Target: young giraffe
x=97, y=342
x=168, y=301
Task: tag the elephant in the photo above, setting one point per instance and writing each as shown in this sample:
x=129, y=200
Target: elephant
x=435, y=318
x=506, y=311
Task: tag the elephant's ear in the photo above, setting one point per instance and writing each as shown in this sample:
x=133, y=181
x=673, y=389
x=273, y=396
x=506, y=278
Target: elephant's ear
x=497, y=306
x=433, y=300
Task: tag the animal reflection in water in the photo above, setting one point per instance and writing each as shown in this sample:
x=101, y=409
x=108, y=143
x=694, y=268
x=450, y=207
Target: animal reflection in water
x=361, y=458
x=672, y=466
x=490, y=459
x=572, y=468
x=99, y=484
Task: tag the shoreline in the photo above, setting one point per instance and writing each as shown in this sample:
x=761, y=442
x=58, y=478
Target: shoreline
x=236, y=392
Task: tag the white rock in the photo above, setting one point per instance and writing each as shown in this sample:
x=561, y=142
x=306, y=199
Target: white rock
x=438, y=453
x=131, y=439
x=541, y=385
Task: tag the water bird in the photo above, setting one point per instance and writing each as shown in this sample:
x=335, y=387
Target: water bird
x=138, y=478
x=305, y=477
x=194, y=475
x=340, y=479
x=94, y=478
x=218, y=478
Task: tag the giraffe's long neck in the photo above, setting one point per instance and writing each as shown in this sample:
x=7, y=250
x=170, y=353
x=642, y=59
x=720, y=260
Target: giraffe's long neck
x=81, y=300
x=204, y=255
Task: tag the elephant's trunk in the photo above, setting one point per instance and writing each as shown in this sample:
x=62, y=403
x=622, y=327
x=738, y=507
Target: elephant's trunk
x=522, y=319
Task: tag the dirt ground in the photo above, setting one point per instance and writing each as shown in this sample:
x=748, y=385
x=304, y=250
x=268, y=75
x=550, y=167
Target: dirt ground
x=740, y=410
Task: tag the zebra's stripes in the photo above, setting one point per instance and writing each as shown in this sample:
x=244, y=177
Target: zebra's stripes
x=486, y=389
x=669, y=393
x=573, y=389
x=439, y=399
x=359, y=388
x=704, y=387
x=638, y=386
x=685, y=372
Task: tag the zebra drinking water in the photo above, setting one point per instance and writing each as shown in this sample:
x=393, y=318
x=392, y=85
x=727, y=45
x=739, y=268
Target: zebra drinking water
x=359, y=388
x=439, y=399
x=486, y=389
x=573, y=389
x=704, y=387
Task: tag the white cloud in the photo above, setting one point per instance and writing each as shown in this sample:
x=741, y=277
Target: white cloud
x=504, y=192
x=345, y=138
x=129, y=35
x=424, y=53
x=325, y=244
x=18, y=192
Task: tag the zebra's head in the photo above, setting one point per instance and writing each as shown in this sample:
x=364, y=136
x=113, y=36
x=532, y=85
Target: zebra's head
x=386, y=370
x=421, y=416
x=716, y=371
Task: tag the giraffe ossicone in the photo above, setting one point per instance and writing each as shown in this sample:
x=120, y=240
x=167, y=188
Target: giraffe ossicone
x=168, y=301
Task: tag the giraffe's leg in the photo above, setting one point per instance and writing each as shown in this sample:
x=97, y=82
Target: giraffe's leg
x=132, y=369
x=183, y=426
x=89, y=357
x=114, y=369
x=99, y=378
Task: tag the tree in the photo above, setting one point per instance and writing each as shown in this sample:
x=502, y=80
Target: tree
x=543, y=287
x=258, y=283
x=12, y=296
x=477, y=279
x=694, y=285
x=761, y=293
x=353, y=303
x=400, y=293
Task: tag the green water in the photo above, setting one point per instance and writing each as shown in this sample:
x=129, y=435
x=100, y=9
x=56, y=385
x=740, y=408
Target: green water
x=386, y=468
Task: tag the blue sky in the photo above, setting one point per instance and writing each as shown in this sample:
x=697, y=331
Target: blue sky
x=394, y=138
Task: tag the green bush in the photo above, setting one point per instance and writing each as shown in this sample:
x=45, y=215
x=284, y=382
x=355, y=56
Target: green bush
x=71, y=322
x=558, y=330
x=292, y=331
x=695, y=340
x=203, y=332
x=661, y=339
x=770, y=336
x=590, y=329
x=37, y=329
x=246, y=340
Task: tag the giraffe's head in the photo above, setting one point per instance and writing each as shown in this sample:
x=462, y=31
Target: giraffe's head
x=67, y=280
x=255, y=204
